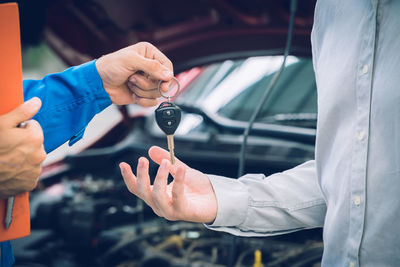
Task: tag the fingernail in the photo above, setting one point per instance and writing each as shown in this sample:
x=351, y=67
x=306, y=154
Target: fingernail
x=34, y=102
x=164, y=163
x=167, y=74
x=140, y=163
x=164, y=88
x=133, y=80
x=120, y=167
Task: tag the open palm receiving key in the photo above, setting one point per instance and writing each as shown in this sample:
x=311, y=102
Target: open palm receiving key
x=189, y=197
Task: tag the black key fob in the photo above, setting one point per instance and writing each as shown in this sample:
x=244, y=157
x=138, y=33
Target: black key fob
x=168, y=117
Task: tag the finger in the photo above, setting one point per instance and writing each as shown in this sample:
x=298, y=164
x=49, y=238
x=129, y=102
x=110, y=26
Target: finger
x=131, y=180
x=143, y=82
x=146, y=102
x=33, y=180
x=43, y=154
x=22, y=113
x=129, y=177
x=143, y=181
x=154, y=69
x=169, y=86
x=38, y=156
x=159, y=193
x=157, y=154
x=178, y=190
x=151, y=61
x=34, y=132
x=150, y=51
x=150, y=94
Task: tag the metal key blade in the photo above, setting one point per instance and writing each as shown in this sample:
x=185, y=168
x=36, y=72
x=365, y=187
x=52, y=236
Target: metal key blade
x=168, y=117
x=170, y=139
x=9, y=211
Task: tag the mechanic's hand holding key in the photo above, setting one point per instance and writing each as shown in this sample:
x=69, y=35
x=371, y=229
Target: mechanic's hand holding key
x=130, y=75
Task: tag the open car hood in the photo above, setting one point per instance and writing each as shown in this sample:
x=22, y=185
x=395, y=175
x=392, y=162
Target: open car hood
x=190, y=33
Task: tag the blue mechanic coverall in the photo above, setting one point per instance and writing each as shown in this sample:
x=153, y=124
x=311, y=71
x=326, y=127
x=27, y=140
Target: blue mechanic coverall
x=70, y=99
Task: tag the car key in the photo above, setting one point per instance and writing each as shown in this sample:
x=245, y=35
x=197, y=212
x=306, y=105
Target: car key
x=168, y=117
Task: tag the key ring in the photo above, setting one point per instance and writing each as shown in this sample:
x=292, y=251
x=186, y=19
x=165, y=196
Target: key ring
x=176, y=93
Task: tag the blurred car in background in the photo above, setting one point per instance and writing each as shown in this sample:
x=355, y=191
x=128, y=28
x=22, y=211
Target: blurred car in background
x=225, y=54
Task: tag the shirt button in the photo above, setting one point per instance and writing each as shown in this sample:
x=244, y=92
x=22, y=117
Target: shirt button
x=365, y=69
x=357, y=200
x=361, y=135
x=351, y=264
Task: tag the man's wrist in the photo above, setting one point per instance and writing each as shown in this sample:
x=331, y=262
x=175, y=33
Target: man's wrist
x=95, y=81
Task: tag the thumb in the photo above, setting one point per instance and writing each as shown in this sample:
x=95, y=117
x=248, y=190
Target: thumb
x=157, y=154
x=22, y=113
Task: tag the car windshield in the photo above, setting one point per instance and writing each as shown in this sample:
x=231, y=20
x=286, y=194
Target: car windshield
x=233, y=89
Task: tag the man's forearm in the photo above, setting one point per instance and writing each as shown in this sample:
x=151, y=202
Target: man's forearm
x=255, y=205
x=70, y=99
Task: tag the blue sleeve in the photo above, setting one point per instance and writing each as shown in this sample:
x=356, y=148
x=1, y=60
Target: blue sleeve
x=70, y=99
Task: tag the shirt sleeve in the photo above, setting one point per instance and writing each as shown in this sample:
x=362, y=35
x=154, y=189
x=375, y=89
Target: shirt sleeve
x=70, y=99
x=255, y=205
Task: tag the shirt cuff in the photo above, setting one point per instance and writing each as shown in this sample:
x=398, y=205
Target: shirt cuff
x=76, y=137
x=232, y=200
x=93, y=79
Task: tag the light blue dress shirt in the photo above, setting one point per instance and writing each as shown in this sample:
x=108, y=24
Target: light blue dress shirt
x=352, y=188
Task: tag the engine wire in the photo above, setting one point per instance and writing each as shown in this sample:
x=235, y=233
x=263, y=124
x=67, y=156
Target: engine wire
x=271, y=85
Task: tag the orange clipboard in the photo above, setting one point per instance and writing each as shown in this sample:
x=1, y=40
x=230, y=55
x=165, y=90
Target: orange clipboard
x=11, y=96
